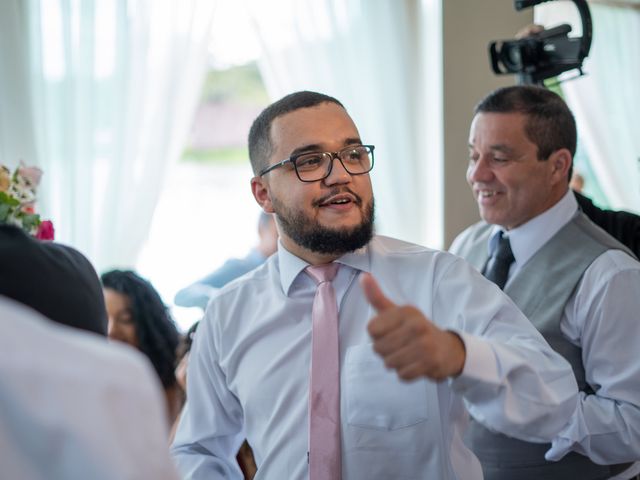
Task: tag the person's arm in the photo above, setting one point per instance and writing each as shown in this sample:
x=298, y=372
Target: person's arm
x=198, y=293
x=606, y=424
x=195, y=295
x=210, y=429
x=511, y=380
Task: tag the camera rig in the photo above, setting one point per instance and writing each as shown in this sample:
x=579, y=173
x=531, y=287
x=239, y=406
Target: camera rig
x=546, y=54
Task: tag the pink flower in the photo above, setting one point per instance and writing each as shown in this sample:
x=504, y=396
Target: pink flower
x=32, y=174
x=45, y=230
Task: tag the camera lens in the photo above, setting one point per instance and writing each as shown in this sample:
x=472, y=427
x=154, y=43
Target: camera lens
x=513, y=57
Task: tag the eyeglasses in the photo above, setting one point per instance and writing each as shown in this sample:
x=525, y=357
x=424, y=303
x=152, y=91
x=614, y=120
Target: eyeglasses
x=312, y=167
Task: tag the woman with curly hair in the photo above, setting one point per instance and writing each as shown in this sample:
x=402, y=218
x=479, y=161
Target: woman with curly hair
x=138, y=316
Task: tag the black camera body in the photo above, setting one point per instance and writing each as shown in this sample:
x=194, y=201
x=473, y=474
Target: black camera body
x=545, y=54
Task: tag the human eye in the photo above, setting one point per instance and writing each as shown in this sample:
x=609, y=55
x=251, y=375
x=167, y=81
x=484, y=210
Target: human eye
x=309, y=161
x=354, y=154
x=499, y=159
x=123, y=315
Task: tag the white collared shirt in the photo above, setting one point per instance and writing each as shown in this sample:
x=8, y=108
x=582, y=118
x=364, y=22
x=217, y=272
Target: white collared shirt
x=74, y=406
x=602, y=318
x=249, y=371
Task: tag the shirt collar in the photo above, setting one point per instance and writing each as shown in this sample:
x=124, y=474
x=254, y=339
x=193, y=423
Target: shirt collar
x=529, y=237
x=291, y=265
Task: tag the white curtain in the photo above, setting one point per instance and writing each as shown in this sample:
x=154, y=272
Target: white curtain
x=371, y=55
x=103, y=93
x=606, y=101
x=16, y=121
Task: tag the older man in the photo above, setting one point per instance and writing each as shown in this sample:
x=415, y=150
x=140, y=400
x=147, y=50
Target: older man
x=575, y=283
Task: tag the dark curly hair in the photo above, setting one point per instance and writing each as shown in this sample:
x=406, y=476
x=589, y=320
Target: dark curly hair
x=157, y=334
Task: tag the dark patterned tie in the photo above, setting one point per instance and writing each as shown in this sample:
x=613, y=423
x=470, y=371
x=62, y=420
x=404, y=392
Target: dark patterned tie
x=497, y=267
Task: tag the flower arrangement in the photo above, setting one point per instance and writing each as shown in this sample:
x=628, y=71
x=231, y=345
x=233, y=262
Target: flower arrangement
x=17, y=201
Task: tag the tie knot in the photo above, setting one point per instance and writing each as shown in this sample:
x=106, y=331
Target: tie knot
x=503, y=249
x=323, y=273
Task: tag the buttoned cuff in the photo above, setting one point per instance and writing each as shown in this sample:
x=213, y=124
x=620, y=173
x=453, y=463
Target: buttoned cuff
x=479, y=365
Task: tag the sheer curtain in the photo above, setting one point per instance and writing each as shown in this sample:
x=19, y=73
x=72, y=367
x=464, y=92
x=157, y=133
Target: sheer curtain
x=104, y=93
x=16, y=120
x=606, y=101
x=372, y=55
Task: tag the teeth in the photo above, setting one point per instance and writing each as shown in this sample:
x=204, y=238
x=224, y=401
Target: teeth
x=487, y=193
x=344, y=200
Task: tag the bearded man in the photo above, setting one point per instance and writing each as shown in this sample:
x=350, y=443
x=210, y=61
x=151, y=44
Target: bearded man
x=328, y=379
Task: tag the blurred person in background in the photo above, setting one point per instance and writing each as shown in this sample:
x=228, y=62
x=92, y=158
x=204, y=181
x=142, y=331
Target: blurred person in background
x=198, y=293
x=73, y=406
x=53, y=279
x=137, y=316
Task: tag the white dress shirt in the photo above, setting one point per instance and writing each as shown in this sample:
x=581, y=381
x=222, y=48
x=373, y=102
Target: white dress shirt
x=602, y=318
x=249, y=371
x=74, y=407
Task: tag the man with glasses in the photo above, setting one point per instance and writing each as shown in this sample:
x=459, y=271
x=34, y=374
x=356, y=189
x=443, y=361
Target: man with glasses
x=575, y=283
x=327, y=376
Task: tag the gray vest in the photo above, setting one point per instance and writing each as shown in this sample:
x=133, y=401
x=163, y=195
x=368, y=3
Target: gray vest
x=541, y=290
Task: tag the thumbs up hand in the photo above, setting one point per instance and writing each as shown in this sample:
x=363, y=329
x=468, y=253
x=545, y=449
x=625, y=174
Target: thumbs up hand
x=408, y=341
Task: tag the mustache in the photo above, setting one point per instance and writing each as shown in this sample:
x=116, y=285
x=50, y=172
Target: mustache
x=336, y=191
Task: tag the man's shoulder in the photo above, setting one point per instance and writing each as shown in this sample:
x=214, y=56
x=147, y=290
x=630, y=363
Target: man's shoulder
x=478, y=232
x=393, y=246
x=387, y=252
x=252, y=281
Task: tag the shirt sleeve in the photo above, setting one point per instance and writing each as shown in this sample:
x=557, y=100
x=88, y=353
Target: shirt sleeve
x=210, y=430
x=512, y=381
x=602, y=317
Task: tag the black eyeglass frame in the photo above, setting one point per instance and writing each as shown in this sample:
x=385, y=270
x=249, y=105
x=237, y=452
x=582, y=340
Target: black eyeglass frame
x=334, y=155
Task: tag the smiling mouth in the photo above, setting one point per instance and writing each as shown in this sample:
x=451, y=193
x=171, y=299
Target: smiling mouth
x=339, y=198
x=339, y=201
x=487, y=193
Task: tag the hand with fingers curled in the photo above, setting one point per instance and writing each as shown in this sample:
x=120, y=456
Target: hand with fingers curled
x=408, y=341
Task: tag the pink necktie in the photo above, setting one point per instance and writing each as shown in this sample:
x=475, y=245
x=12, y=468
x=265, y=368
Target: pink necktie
x=324, y=387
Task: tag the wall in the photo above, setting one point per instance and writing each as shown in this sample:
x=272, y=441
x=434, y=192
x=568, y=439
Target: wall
x=467, y=28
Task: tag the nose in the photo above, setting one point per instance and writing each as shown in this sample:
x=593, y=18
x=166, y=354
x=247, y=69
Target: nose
x=337, y=173
x=111, y=328
x=479, y=170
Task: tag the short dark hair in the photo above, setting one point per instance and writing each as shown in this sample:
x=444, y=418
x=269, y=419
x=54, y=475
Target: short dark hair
x=550, y=124
x=260, y=146
x=157, y=334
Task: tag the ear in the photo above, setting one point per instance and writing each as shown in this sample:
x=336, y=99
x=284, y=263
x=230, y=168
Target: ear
x=560, y=162
x=260, y=190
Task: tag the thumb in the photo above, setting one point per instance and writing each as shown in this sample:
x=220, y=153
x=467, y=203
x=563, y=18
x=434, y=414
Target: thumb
x=374, y=294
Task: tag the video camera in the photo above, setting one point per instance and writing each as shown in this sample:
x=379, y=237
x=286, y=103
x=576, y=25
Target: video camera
x=545, y=54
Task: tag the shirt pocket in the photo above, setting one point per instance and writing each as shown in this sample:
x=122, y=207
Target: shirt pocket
x=376, y=398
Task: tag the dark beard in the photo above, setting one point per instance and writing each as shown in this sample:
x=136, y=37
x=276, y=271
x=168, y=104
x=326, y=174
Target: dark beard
x=319, y=239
